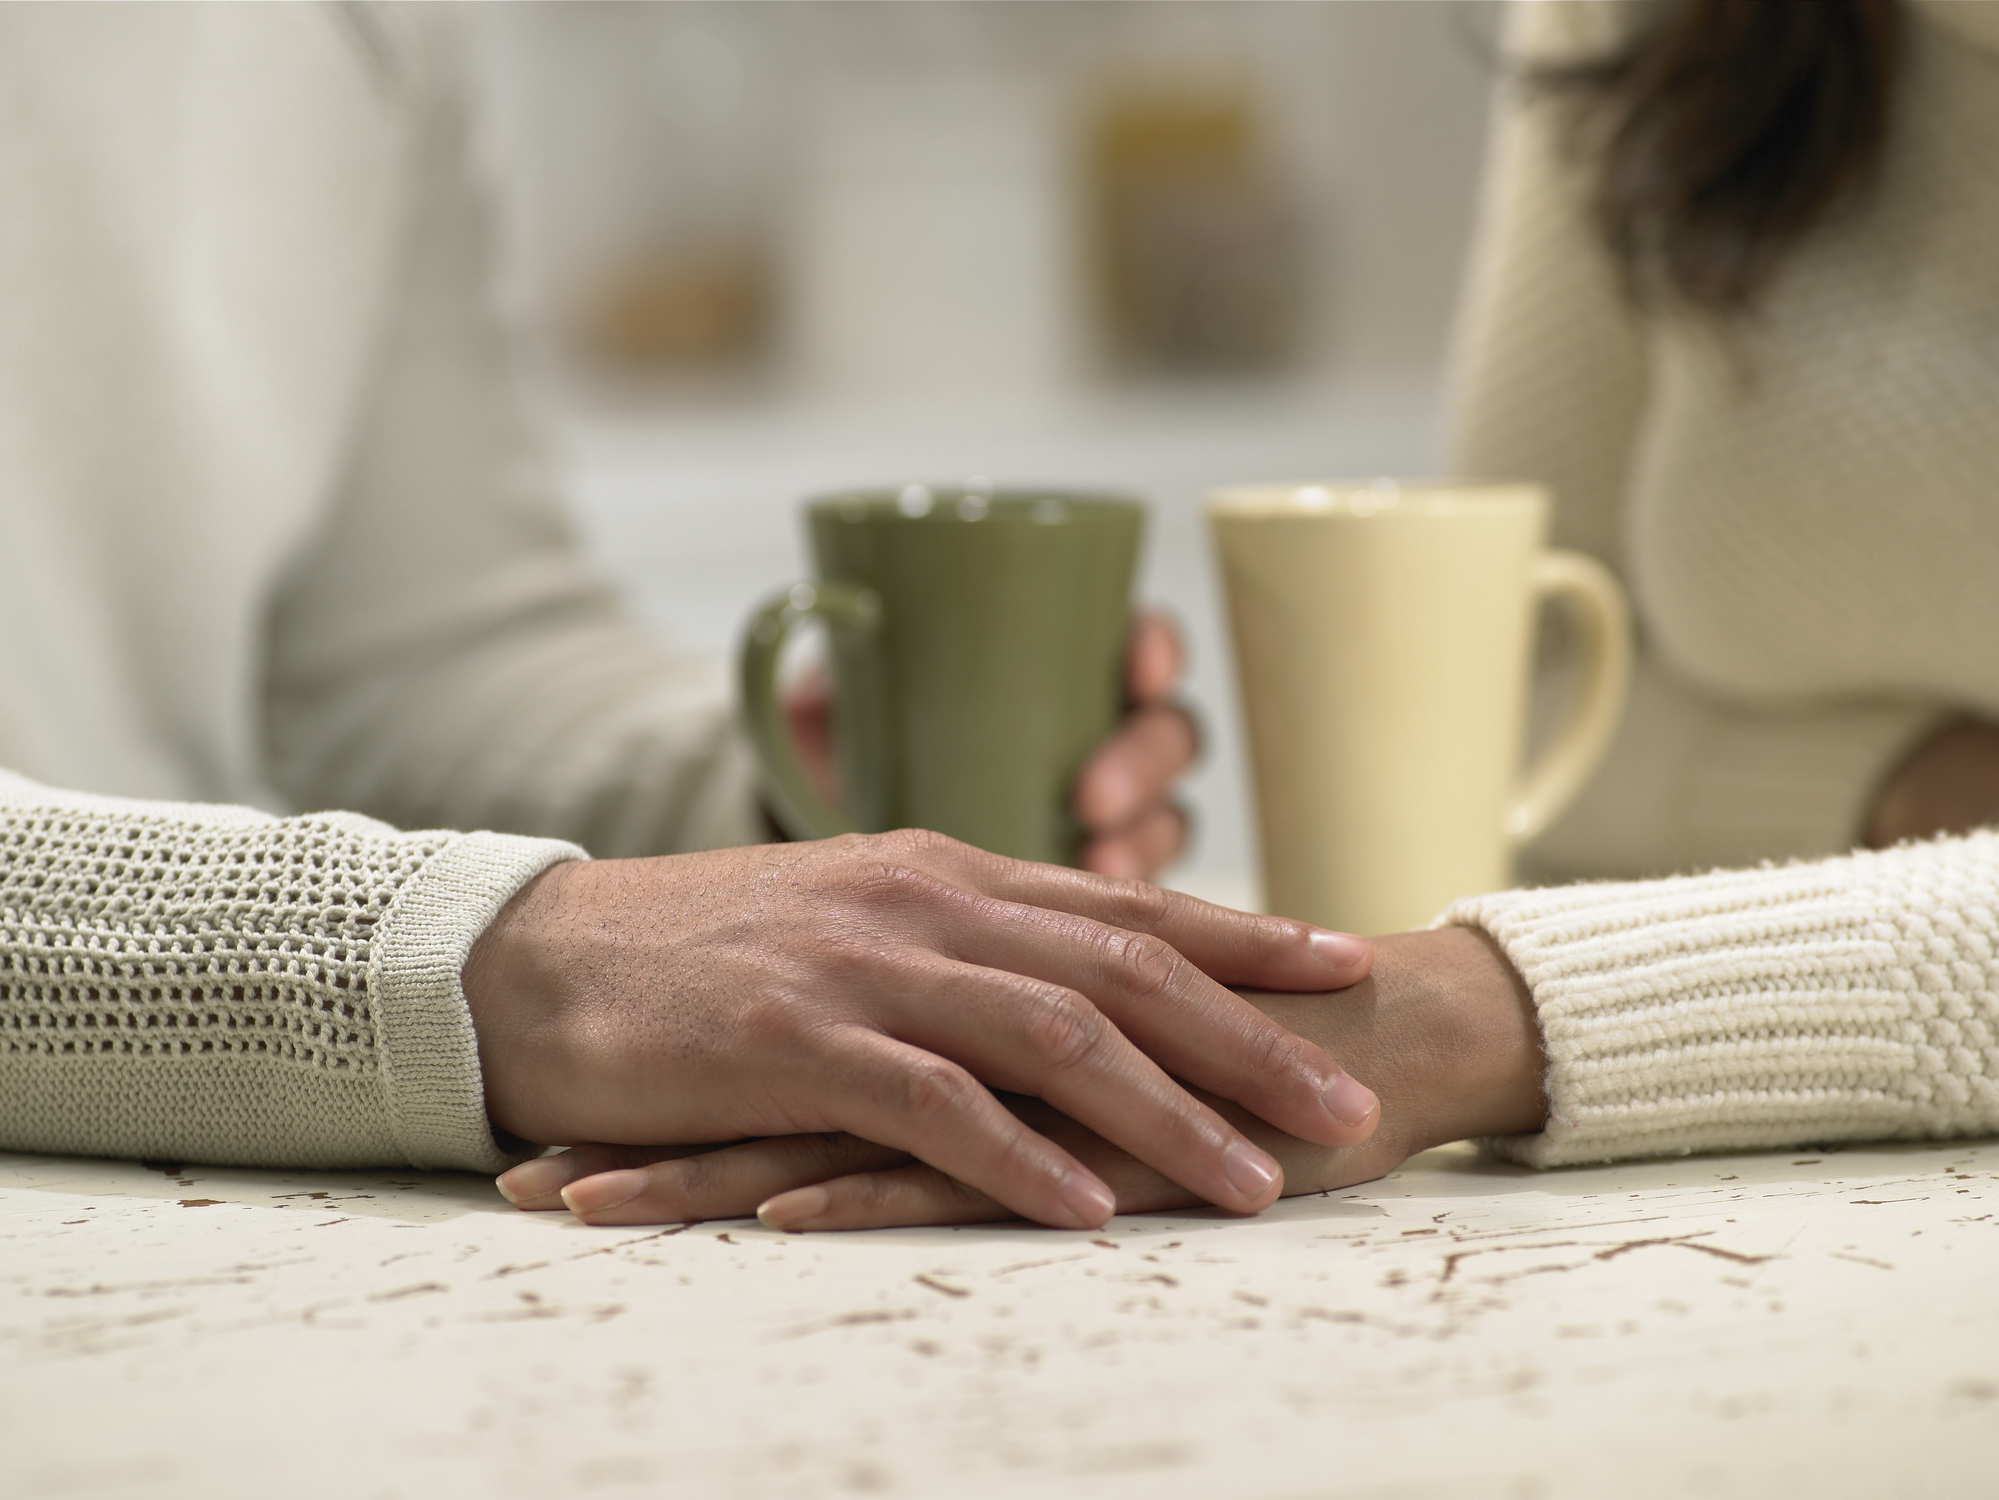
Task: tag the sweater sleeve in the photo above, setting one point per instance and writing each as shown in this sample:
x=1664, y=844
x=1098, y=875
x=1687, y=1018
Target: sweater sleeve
x=206, y=983
x=1850, y=999
x=441, y=654
x=1550, y=381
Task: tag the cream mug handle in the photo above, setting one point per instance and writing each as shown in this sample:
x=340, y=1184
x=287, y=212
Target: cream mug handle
x=1594, y=598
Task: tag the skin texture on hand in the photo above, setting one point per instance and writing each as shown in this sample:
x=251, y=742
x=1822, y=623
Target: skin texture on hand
x=1123, y=793
x=1443, y=1030
x=1948, y=784
x=884, y=986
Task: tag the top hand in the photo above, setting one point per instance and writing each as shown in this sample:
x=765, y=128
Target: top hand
x=884, y=985
x=1121, y=795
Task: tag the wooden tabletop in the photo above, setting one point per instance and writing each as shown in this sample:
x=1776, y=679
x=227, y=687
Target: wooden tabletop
x=1822, y=1322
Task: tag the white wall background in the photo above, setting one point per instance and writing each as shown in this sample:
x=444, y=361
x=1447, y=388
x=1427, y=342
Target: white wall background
x=915, y=168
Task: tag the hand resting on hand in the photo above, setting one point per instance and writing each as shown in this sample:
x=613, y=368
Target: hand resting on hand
x=1443, y=1029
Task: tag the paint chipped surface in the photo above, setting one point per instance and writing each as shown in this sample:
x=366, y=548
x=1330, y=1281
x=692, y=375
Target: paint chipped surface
x=1727, y=1326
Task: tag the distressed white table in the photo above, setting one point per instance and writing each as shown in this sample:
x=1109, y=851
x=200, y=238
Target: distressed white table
x=1758, y=1325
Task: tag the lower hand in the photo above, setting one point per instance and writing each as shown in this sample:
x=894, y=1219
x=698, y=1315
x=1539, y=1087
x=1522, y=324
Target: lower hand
x=1122, y=796
x=1443, y=1029
x=884, y=986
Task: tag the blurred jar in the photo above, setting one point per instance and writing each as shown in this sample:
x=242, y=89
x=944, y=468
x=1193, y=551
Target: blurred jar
x=682, y=269
x=1197, y=255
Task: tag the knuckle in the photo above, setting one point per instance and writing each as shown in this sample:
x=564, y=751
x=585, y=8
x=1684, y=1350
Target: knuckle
x=1272, y=1051
x=894, y=883
x=831, y=1152
x=678, y=1189
x=873, y=1193
x=1141, y=905
x=934, y=1091
x=917, y=842
x=1148, y=966
x=1063, y=1029
x=689, y=1182
x=772, y=1026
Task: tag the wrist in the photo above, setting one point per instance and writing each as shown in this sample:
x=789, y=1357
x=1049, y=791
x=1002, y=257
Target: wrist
x=512, y=1011
x=1469, y=1026
x=1445, y=1033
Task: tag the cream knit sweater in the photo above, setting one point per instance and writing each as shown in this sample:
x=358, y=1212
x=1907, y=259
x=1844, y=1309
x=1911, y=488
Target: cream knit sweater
x=273, y=534
x=1806, y=510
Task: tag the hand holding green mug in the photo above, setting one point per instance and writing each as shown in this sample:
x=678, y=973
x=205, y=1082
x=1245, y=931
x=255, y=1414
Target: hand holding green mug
x=977, y=652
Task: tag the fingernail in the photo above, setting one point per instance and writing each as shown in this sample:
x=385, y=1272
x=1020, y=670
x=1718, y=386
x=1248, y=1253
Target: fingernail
x=1089, y=1200
x=534, y=1179
x=1249, y=1171
x=1350, y=1101
x=799, y=1206
x=1338, y=950
x=605, y=1191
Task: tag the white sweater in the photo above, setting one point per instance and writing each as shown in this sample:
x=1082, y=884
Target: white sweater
x=1806, y=510
x=273, y=533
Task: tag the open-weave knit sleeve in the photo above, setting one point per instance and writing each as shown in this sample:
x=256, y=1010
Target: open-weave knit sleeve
x=216, y=984
x=1849, y=999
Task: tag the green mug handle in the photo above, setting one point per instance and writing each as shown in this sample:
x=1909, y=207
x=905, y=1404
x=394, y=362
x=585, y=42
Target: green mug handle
x=796, y=803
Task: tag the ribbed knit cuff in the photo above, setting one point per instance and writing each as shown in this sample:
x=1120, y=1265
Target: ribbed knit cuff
x=1852, y=999
x=430, y=1055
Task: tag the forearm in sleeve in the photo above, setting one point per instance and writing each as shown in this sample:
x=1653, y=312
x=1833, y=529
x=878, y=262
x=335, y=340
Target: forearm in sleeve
x=1854, y=998
x=216, y=984
x=442, y=653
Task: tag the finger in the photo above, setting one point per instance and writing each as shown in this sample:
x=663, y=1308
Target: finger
x=1029, y=1036
x=1154, y=657
x=536, y=1186
x=1136, y=767
x=725, y=1183
x=1185, y=1023
x=919, y=1195
x=1233, y=947
x=1141, y=848
x=882, y=1200
x=923, y=1195
x=883, y=1089
x=808, y=708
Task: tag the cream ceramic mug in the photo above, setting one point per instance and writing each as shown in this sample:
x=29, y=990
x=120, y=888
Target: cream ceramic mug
x=1384, y=640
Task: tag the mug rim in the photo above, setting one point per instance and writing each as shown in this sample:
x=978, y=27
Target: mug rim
x=1005, y=504
x=1348, y=498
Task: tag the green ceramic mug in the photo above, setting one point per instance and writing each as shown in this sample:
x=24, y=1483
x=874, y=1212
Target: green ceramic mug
x=977, y=658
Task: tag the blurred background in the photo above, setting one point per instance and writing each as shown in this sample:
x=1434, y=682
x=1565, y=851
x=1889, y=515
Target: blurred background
x=760, y=251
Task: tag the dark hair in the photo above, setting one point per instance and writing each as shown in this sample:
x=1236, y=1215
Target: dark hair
x=1723, y=130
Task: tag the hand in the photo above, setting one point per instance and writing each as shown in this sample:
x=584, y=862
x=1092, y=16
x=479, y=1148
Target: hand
x=1949, y=784
x=883, y=985
x=1121, y=795
x=1444, y=1029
